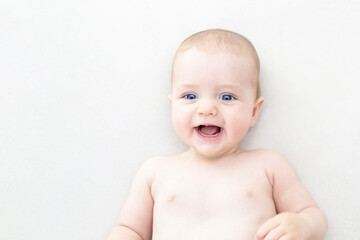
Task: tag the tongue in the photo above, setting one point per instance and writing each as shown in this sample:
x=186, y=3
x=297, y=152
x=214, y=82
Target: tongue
x=209, y=130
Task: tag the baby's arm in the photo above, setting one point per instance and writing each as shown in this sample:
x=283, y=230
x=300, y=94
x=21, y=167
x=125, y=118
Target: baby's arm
x=135, y=220
x=299, y=216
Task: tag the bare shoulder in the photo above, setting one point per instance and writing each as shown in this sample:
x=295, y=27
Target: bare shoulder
x=273, y=162
x=269, y=155
x=148, y=168
x=151, y=167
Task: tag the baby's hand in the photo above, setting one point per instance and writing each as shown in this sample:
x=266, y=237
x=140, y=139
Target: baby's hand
x=284, y=226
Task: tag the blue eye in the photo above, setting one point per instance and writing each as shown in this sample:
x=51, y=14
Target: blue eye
x=227, y=97
x=190, y=96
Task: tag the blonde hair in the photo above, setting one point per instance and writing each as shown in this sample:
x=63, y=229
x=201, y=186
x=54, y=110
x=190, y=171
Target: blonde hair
x=219, y=39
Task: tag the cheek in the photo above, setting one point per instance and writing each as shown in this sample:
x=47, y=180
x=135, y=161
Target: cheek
x=239, y=123
x=181, y=118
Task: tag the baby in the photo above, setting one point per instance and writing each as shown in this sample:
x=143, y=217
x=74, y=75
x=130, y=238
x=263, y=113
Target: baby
x=216, y=190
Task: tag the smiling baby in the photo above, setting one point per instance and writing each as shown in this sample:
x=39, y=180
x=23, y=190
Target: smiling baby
x=216, y=190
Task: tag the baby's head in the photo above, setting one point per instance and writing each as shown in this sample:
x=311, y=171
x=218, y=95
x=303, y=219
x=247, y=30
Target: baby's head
x=215, y=40
x=215, y=91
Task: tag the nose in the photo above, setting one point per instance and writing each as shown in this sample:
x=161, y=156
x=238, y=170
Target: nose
x=207, y=108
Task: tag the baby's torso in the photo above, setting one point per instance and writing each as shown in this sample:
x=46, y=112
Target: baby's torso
x=228, y=202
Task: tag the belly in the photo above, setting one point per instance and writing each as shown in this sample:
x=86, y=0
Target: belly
x=243, y=228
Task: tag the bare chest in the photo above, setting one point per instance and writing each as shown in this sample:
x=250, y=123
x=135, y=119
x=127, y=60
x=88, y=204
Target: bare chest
x=235, y=202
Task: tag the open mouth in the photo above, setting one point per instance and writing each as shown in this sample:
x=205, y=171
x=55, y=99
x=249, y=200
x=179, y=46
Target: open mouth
x=209, y=132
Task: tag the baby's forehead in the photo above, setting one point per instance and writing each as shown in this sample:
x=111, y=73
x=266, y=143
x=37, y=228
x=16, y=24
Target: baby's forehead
x=220, y=65
x=197, y=59
x=243, y=57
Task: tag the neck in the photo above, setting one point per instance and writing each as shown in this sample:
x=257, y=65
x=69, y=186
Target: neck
x=193, y=155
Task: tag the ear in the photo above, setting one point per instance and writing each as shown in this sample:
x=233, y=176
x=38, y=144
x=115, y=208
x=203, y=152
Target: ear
x=170, y=98
x=256, y=110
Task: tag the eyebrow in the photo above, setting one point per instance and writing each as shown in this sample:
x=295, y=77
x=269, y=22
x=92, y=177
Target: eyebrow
x=231, y=86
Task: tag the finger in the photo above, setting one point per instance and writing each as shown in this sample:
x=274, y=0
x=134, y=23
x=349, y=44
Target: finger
x=266, y=228
x=285, y=237
x=275, y=234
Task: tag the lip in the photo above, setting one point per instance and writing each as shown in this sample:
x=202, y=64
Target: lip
x=208, y=138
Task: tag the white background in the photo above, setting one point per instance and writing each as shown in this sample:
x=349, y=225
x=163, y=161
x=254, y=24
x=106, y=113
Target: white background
x=83, y=102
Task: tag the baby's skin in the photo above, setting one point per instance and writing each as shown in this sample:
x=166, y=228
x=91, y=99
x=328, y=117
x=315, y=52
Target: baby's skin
x=215, y=190
x=180, y=197
x=225, y=200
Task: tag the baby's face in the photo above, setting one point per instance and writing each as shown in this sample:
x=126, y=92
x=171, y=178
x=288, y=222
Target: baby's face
x=213, y=100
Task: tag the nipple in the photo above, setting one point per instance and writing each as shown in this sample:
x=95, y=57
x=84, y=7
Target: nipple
x=249, y=194
x=171, y=197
